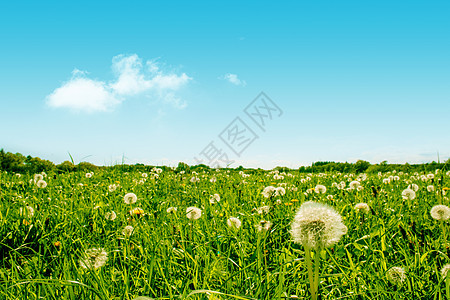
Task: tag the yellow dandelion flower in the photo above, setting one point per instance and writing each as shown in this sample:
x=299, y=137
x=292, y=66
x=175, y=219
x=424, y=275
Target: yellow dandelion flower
x=136, y=211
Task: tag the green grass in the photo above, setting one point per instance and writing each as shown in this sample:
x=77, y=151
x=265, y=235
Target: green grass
x=171, y=257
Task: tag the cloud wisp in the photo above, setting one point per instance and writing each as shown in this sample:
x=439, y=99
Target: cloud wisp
x=133, y=78
x=233, y=78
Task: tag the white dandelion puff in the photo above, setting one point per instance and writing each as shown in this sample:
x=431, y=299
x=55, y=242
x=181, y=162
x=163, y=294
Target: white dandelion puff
x=111, y=216
x=271, y=191
x=214, y=198
x=430, y=188
x=263, y=209
x=362, y=207
x=263, y=225
x=278, y=177
x=130, y=198
x=94, y=258
x=354, y=184
x=396, y=275
x=193, y=213
x=414, y=187
x=268, y=191
x=320, y=189
x=194, y=179
x=317, y=225
x=38, y=177
x=26, y=212
x=112, y=187
x=440, y=212
x=408, y=194
x=280, y=191
x=128, y=230
x=444, y=271
x=171, y=210
x=41, y=184
x=233, y=222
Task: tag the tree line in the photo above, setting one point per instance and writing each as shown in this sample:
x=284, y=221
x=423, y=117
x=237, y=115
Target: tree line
x=18, y=163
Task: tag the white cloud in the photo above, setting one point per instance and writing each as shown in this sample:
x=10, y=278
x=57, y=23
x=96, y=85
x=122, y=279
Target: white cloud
x=233, y=78
x=83, y=94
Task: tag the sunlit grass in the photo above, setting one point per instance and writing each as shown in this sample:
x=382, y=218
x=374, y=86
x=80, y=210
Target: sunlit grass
x=45, y=232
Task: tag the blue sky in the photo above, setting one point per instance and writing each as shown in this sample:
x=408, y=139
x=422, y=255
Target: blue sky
x=156, y=81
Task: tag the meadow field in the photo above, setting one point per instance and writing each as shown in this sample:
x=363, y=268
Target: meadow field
x=222, y=234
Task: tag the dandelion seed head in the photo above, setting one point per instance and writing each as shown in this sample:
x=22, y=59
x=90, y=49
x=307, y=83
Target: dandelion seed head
x=317, y=225
x=41, y=184
x=26, y=212
x=414, y=187
x=38, y=177
x=354, y=184
x=112, y=187
x=193, y=213
x=171, y=210
x=233, y=222
x=280, y=191
x=130, y=198
x=111, y=216
x=263, y=209
x=214, y=198
x=320, y=189
x=268, y=191
x=444, y=271
x=362, y=207
x=94, y=258
x=396, y=275
x=440, y=212
x=408, y=194
x=194, y=179
x=128, y=230
x=263, y=225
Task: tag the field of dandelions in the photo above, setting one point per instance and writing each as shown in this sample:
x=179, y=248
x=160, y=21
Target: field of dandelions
x=224, y=234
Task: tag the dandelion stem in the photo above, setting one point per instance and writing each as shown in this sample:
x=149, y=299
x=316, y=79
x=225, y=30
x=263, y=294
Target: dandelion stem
x=316, y=271
x=310, y=272
x=447, y=286
x=444, y=234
